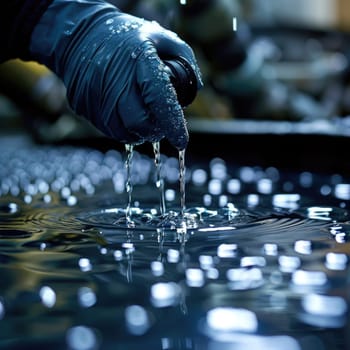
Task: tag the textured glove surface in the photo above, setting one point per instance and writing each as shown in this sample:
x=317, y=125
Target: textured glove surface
x=111, y=65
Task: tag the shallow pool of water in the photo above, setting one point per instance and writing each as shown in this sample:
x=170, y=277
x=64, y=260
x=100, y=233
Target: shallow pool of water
x=259, y=260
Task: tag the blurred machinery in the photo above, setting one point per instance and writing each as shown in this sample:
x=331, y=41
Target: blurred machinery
x=37, y=102
x=254, y=65
x=33, y=87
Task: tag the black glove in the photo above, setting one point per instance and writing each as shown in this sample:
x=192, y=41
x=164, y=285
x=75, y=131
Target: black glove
x=111, y=64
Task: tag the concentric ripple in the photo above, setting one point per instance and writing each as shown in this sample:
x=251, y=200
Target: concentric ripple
x=151, y=219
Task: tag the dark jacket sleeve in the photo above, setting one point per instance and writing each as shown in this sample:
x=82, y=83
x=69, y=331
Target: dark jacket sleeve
x=17, y=21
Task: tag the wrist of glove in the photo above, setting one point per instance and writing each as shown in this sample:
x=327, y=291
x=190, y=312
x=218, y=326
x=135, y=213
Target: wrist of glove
x=111, y=64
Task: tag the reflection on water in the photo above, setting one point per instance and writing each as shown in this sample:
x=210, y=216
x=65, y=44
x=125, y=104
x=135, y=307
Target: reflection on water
x=262, y=262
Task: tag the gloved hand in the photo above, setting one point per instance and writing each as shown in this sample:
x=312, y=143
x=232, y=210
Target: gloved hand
x=111, y=64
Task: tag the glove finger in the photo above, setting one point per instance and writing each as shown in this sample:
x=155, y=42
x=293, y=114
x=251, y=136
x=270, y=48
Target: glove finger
x=169, y=44
x=160, y=98
x=141, y=126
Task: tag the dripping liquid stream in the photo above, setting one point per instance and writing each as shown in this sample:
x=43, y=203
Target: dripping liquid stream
x=182, y=173
x=179, y=220
x=159, y=178
x=129, y=188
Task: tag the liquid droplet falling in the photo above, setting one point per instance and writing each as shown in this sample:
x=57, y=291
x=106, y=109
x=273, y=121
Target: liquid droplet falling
x=234, y=24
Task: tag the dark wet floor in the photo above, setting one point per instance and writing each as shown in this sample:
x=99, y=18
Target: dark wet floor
x=260, y=261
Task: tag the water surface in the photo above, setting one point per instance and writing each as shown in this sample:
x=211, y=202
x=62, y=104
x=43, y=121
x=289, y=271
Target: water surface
x=260, y=260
